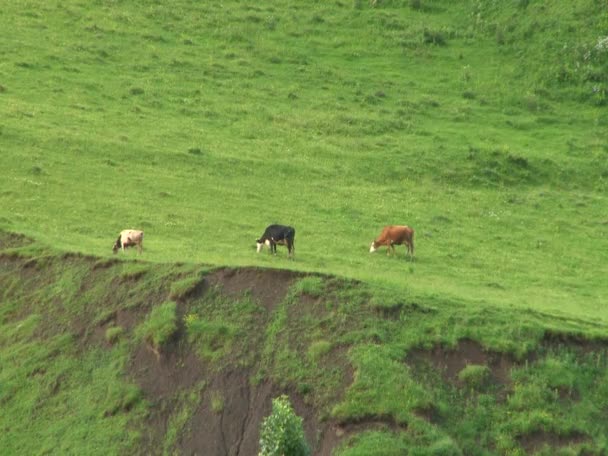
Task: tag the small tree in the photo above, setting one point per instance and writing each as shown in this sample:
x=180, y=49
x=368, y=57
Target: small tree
x=282, y=433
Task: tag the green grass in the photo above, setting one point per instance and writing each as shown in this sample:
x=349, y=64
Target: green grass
x=160, y=325
x=51, y=360
x=201, y=125
x=480, y=124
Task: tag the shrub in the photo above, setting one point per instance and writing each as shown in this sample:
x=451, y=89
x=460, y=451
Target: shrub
x=318, y=349
x=415, y=4
x=160, y=325
x=311, y=285
x=282, y=432
x=212, y=338
x=114, y=333
x=474, y=375
x=433, y=37
x=217, y=402
x=183, y=288
x=444, y=447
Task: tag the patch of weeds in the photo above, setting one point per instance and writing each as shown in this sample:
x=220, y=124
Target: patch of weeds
x=435, y=37
x=122, y=399
x=114, y=333
x=195, y=151
x=186, y=287
x=474, y=375
x=318, y=349
x=213, y=338
x=217, y=402
x=160, y=325
x=517, y=160
x=136, y=91
x=189, y=402
x=311, y=285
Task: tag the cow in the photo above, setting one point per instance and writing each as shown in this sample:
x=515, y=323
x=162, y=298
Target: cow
x=129, y=238
x=277, y=234
x=395, y=235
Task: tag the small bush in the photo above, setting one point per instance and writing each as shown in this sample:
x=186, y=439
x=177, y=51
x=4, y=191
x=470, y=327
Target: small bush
x=282, y=432
x=474, y=375
x=160, y=325
x=445, y=447
x=318, y=349
x=183, y=288
x=433, y=37
x=311, y=285
x=114, y=333
x=217, y=402
x=213, y=338
x=517, y=160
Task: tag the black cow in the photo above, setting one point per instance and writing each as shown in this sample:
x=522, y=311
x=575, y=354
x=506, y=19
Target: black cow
x=278, y=234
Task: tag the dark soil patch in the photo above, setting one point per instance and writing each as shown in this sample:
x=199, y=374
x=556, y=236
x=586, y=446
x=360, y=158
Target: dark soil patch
x=161, y=374
x=538, y=439
x=267, y=286
x=13, y=240
x=228, y=421
x=450, y=361
x=429, y=413
x=394, y=311
x=584, y=346
x=173, y=369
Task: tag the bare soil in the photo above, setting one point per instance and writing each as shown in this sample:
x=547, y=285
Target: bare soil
x=535, y=441
x=450, y=361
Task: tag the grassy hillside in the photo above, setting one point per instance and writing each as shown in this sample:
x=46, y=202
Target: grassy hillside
x=108, y=357
x=203, y=123
x=481, y=124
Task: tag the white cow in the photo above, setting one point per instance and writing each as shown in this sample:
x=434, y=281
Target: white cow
x=129, y=238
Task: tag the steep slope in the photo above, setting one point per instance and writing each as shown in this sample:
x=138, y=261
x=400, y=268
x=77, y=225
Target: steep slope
x=105, y=356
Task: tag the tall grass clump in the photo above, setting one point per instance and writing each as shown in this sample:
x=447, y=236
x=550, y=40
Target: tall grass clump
x=160, y=325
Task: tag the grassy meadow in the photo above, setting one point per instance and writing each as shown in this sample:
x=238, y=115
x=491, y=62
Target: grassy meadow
x=481, y=124
x=201, y=124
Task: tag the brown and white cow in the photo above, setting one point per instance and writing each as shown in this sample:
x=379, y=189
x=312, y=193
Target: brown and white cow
x=129, y=238
x=393, y=235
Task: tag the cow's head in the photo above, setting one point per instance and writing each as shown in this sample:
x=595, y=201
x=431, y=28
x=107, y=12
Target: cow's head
x=373, y=247
x=117, y=245
x=260, y=243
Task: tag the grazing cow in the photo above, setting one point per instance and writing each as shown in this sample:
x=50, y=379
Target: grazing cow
x=277, y=234
x=395, y=235
x=129, y=238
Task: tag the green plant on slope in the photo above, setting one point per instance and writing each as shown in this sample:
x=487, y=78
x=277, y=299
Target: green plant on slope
x=474, y=375
x=160, y=325
x=282, y=432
